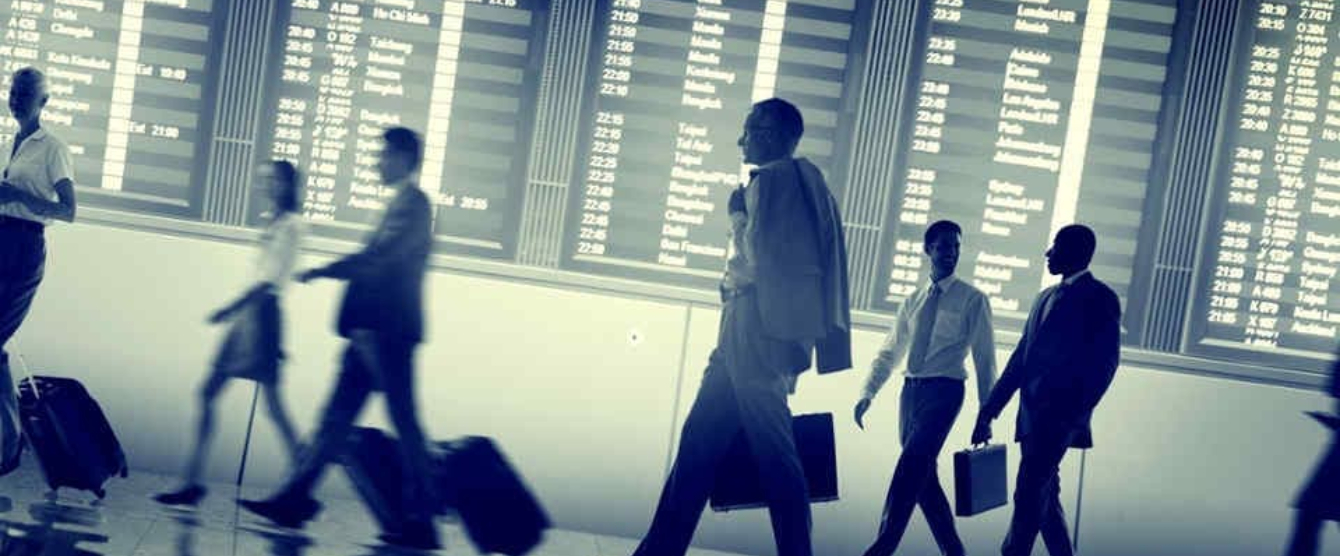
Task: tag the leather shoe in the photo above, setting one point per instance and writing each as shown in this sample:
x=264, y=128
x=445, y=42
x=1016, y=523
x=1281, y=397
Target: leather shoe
x=293, y=514
x=189, y=495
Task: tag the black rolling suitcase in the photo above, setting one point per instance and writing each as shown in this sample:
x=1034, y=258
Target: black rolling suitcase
x=71, y=437
x=498, y=511
x=372, y=461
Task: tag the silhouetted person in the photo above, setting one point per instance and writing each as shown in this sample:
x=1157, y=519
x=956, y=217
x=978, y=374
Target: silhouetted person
x=1062, y=367
x=1319, y=500
x=785, y=297
x=382, y=318
x=37, y=187
x=939, y=323
x=253, y=348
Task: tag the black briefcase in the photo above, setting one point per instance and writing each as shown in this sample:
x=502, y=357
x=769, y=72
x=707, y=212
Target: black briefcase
x=979, y=480
x=737, y=483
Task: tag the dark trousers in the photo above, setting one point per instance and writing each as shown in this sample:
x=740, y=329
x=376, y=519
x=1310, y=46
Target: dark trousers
x=926, y=413
x=1318, y=503
x=744, y=388
x=22, y=262
x=394, y=377
x=1037, y=494
x=1306, y=538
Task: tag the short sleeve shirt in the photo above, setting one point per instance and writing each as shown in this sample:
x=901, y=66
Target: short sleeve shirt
x=40, y=162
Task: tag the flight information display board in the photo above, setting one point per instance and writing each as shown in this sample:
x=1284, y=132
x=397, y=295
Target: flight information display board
x=1269, y=291
x=1026, y=116
x=672, y=83
x=462, y=73
x=131, y=86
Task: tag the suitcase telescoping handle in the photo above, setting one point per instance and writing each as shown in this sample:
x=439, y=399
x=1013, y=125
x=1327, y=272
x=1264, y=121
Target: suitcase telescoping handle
x=23, y=365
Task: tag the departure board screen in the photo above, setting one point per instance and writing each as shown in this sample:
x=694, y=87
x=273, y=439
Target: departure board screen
x=131, y=86
x=672, y=83
x=1269, y=291
x=1028, y=115
x=462, y=73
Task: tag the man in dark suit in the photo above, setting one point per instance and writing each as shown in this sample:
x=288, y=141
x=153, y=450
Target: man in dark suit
x=382, y=317
x=1319, y=500
x=1063, y=365
x=785, y=298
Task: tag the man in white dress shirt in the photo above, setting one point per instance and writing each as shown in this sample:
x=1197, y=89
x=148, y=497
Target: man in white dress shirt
x=935, y=328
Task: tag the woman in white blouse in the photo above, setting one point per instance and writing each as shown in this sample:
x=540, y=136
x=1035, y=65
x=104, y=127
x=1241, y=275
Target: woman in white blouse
x=253, y=347
x=37, y=188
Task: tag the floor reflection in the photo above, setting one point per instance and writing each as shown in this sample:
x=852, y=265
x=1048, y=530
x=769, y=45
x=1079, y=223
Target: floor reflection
x=387, y=550
x=129, y=523
x=280, y=543
x=49, y=536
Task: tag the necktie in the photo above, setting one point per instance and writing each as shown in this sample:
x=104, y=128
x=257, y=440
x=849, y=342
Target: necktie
x=1050, y=304
x=921, y=339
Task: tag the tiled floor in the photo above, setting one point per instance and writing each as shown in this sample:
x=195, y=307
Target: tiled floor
x=128, y=523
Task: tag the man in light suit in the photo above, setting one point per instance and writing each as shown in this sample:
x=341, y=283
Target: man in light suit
x=382, y=317
x=785, y=298
x=1063, y=365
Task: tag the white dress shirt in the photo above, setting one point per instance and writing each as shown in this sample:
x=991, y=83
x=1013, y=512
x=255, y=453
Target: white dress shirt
x=279, y=251
x=41, y=162
x=962, y=322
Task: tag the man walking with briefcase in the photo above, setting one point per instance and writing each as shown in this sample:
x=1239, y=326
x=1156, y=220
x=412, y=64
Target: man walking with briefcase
x=784, y=299
x=1062, y=367
x=939, y=323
